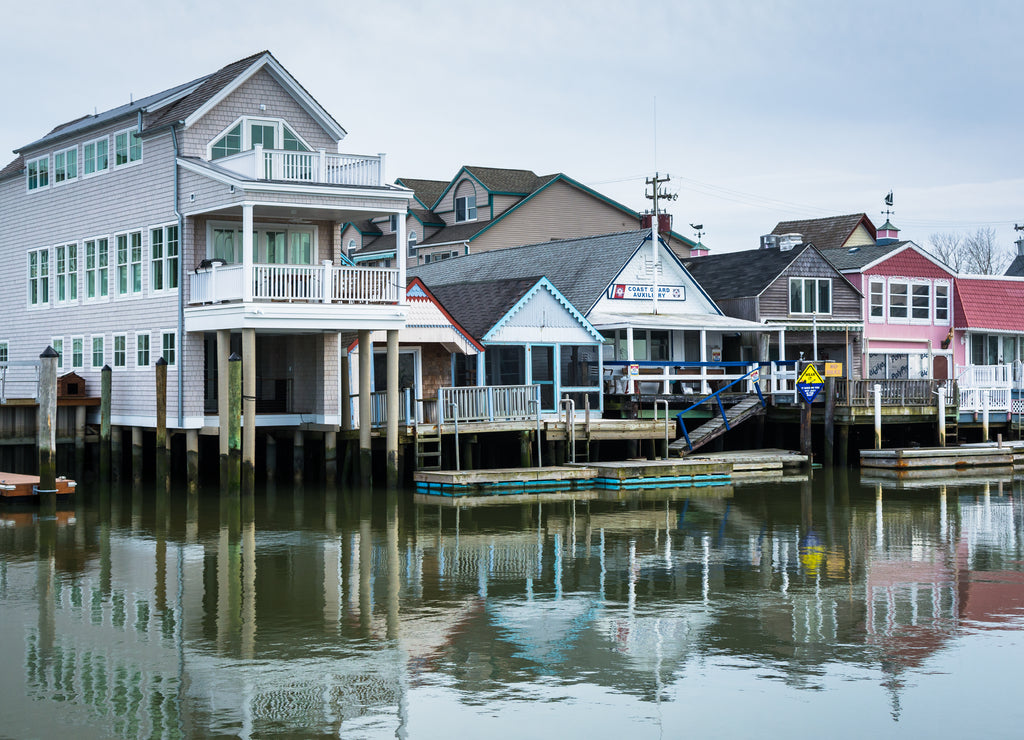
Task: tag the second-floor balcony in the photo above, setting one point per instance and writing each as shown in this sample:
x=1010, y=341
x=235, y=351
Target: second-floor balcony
x=324, y=283
x=320, y=167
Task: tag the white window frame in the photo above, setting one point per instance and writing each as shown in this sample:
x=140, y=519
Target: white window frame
x=68, y=155
x=259, y=241
x=883, y=292
x=66, y=278
x=163, y=265
x=944, y=320
x=78, y=361
x=41, y=279
x=412, y=241
x=29, y=170
x=123, y=351
x=927, y=285
x=469, y=212
x=173, y=336
x=102, y=338
x=803, y=281
x=58, y=346
x=99, y=275
x=905, y=284
x=86, y=159
x=128, y=133
x=134, y=262
x=246, y=123
x=149, y=351
x=5, y=350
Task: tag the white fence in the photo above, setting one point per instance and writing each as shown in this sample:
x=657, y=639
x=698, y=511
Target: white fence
x=324, y=283
x=488, y=403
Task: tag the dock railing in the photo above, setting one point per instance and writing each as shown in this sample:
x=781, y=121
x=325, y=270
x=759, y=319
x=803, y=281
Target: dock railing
x=894, y=392
x=488, y=402
x=776, y=378
x=996, y=381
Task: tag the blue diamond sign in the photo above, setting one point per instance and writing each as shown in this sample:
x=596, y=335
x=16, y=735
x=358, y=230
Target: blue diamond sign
x=809, y=383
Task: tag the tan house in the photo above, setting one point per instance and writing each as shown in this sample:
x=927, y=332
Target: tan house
x=486, y=208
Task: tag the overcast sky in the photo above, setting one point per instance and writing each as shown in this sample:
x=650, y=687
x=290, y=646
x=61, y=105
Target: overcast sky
x=760, y=111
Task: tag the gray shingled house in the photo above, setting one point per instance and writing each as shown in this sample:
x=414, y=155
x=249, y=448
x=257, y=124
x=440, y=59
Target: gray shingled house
x=188, y=223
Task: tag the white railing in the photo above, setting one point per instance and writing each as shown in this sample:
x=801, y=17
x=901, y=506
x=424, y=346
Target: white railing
x=972, y=399
x=313, y=167
x=489, y=402
x=18, y=380
x=984, y=376
x=700, y=378
x=306, y=283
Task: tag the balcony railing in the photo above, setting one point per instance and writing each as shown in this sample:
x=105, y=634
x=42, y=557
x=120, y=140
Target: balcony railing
x=488, y=403
x=324, y=283
x=313, y=167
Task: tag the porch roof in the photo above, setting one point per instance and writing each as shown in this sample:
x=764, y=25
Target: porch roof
x=989, y=303
x=823, y=325
x=616, y=320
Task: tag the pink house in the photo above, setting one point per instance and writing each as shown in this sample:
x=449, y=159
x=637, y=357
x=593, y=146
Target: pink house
x=908, y=308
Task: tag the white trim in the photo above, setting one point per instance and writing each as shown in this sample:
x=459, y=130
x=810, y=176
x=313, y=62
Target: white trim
x=112, y=155
x=53, y=174
x=60, y=353
x=948, y=285
x=113, y=351
x=172, y=333
x=261, y=228
x=71, y=364
x=92, y=351
x=246, y=121
x=880, y=281
x=287, y=81
x=84, y=295
x=57, y=275
x=147, y=257
x=28, y=174
x=149, y=350
x=803, y=296
x=93, y=143
x=142, y=266
x=45, y=301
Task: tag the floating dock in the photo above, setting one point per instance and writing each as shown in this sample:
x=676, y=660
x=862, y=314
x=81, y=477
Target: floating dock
x=1008, y=454
x=694, y=471
x=19, y=487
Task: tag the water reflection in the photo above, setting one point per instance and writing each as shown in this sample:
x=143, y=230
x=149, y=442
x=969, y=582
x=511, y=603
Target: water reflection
x=147, y=612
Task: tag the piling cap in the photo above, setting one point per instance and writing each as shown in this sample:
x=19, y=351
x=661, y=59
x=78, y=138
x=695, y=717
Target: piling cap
x=234, y=357
x=161, y=362
x=48, y=353
x=106, y=369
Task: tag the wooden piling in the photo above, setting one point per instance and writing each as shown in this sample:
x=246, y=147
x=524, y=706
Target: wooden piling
x=163, y=478
x=137, y=455
x=843, y=446
x=298, y=457
x=331, y=458
x=116, y=452
x=249, y=407
x=192, y=459
x=830, y=422
x=391, y=435
x=365, y=419
x=47, y=432
x=234, y=422
x=105, y=388
x=806, y=443
x=271, y=457
x=525, y=450
x=79, y=437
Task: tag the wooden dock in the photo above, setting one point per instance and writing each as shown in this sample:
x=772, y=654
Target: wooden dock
x=963, y=456
x=628, y=475
x=19, y=487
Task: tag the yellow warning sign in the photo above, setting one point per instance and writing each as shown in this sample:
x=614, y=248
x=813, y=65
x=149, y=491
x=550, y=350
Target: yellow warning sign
x=833, y=369
x=810, y=375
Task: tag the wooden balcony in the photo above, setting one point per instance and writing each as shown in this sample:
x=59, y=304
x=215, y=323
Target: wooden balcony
x=324, y=283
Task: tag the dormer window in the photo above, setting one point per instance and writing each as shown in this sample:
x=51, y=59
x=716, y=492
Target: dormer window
x=412, y=243
x=246, y=133
x=465, y=202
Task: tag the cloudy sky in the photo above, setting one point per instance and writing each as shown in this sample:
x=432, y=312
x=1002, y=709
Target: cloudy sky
x=760, y=111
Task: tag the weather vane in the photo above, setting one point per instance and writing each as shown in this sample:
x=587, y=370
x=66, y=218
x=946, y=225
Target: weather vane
x=699, y=229
x=888, y=203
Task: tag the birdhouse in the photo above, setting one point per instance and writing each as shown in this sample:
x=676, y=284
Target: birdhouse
x=71, y=385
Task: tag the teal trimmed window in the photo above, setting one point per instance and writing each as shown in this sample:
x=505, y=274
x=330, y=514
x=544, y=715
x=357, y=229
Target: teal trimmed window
x=39, y=277
x=120, y=350
x=94, y=157
x=66, y=258
x=142, y=350
x=98, y=351
x=168, y=347
x=228, y=144
x=77, y=352
x=97, y=268
x=58, y=346
x=127, y=147
x=38, y=172
x=65, y=165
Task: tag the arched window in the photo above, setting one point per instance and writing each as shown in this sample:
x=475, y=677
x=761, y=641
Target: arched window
x=465, y=202
x=412, y=243
x=351, y=246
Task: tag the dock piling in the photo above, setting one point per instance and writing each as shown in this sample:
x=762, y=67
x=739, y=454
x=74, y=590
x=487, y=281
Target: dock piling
x=105, y=387
x=47, y=432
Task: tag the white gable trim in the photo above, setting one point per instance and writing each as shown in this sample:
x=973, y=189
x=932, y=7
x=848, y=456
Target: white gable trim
x=288, y=82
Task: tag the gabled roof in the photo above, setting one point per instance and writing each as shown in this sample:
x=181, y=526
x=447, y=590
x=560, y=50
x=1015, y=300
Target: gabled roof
x=826, y=233
x=427, y=191
x=741, y=274
x=1016, y=268
x=862, y=259
x=187, y=102
x=478, y=306
x=853, y=259
x=413, y=291
x=990, y=303
x=512, y=182
x=581, y=269
x=427, y=218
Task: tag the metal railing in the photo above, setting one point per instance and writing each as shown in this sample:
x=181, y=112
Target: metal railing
x=488, y=402
x=19, y=380
x=752, y=375
x=685, y=378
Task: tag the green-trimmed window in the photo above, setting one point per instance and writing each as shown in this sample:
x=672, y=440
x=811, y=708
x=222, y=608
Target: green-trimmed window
x=39, y=277
x=94, y=156
x=142, y=350
x=98, y=351
x=228, y=144
x=97, y=269
x=127, y=147
x=65, y=165
x=38, y=172
x=66, y=258
x=168, y=347
x=58, y=346
x=77, y=352
x=120, y=350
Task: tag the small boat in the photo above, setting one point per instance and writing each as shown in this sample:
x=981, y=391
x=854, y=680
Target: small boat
x=19, y=487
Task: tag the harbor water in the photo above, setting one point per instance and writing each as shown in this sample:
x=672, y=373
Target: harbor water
x=841, y=607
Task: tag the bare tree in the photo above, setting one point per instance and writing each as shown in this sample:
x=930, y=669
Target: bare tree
x=977, y=254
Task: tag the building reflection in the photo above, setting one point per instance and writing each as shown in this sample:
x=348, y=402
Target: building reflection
x=186, y=614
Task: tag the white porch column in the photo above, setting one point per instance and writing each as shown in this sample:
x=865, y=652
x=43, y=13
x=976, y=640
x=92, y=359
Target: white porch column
x=481, y=368
x=247, y=252
x=392, y=402
x=703, y=359
x=401, y=255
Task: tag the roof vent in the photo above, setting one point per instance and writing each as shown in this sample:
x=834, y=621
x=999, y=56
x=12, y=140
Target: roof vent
x=770, y=241
x=788, y=241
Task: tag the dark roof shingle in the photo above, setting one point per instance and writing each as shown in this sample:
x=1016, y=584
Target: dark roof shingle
x=741, y=274
x=479, y=305
x=826, y=233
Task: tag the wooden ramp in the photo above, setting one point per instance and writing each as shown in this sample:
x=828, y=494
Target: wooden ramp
x=18, y=487
x=746, y=408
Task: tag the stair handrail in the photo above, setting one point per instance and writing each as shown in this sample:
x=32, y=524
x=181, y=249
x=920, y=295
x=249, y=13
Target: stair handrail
x=753, y=374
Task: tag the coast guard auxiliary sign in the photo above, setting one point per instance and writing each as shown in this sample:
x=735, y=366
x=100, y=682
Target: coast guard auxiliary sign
x=629, y=292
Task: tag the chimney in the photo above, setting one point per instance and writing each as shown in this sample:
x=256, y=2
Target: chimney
x=664, y=222
x=1020, y=246
x=788, y=241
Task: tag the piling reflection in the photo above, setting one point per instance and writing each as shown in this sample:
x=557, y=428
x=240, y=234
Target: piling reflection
x=308, y=612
